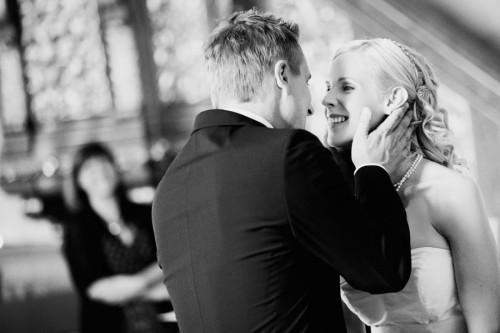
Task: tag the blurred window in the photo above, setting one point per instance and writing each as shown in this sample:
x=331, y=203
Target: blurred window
x=12, y=96
x=80, y=59
x=179, y=30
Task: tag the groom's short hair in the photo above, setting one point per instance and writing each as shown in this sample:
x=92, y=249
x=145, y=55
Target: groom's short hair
x=243, y=48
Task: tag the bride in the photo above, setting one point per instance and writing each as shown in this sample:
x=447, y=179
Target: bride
x=454, y=284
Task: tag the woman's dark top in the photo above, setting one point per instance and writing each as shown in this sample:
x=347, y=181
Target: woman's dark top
x=93, y=253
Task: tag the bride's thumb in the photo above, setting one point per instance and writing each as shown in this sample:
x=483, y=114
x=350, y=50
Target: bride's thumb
x=363, y=124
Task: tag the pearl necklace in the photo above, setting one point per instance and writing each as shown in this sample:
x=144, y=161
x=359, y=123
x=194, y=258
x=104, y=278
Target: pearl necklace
x=408, y=173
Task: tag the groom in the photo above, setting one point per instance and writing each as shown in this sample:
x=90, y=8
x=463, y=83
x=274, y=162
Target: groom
x=253, y=220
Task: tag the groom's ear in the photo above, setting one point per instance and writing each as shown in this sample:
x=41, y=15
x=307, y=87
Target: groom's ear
x=396, y=98
x=281, y=73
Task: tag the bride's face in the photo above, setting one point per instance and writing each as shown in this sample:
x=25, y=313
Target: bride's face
x=351, y=85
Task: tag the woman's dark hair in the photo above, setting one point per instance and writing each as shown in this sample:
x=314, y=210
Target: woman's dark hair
x=75, y=197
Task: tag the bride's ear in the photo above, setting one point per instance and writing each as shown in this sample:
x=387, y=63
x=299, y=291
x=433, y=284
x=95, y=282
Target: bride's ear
x=396, y=98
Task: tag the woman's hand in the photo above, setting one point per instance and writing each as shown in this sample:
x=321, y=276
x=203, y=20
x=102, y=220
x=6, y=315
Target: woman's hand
x=157, y=292
x=117, y=289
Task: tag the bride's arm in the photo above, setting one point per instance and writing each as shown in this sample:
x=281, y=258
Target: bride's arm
x=460, y=216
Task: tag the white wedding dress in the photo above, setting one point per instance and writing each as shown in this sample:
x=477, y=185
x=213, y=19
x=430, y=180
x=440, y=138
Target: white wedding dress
x=428, y=302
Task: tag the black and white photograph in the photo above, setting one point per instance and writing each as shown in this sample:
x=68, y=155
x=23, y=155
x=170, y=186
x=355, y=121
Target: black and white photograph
x=227, y=166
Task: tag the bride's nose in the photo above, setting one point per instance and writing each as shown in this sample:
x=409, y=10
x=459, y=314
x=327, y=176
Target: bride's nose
x=329, y=100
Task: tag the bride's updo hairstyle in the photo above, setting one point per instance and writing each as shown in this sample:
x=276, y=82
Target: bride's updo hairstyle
x=397, y=65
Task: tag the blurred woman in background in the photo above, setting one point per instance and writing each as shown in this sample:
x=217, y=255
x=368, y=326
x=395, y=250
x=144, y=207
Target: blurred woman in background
x=109, y=245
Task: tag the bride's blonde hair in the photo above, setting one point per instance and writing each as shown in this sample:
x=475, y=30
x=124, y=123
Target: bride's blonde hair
x=397, y=65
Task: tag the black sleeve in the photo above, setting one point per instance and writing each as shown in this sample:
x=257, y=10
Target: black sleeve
x=84, y=256
x=140, y=215
x=365, y=238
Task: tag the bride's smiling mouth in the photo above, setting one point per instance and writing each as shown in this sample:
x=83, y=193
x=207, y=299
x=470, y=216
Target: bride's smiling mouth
x=336, y=119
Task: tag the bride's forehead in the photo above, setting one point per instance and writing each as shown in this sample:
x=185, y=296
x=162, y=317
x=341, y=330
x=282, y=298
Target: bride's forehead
x=352, y=64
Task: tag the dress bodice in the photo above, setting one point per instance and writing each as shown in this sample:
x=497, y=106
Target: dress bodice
x=428, y=302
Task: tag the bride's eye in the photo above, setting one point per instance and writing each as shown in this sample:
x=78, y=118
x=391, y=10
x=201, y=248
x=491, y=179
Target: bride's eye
x=347, y=88
x=328, y=88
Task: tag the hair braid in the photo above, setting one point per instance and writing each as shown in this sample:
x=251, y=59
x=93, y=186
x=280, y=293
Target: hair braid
x=433, y=136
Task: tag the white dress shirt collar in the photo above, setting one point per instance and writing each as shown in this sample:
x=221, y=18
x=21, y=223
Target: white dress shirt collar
x=251, y=115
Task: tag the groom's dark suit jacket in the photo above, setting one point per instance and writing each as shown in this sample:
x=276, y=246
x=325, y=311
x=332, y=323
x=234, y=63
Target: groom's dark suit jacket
x=254, y=225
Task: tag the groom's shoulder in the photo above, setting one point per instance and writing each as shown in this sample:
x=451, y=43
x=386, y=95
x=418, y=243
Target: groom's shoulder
x=288, y=139
x=300, y=137
x=296, y=135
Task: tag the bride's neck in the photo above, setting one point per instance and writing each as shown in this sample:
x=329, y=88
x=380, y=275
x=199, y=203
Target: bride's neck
x=342, y=157
x=403, y=166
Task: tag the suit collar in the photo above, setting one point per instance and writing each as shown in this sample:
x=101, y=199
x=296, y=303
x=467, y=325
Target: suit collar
x=218, y=117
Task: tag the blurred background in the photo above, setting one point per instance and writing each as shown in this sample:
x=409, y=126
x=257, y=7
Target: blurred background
x=130, y=73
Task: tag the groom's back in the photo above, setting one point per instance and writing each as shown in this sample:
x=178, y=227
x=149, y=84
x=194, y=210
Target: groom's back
x=224, y=240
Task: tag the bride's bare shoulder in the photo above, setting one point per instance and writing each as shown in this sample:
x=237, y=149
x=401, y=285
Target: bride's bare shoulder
x=449, y=194
x=438, y=179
